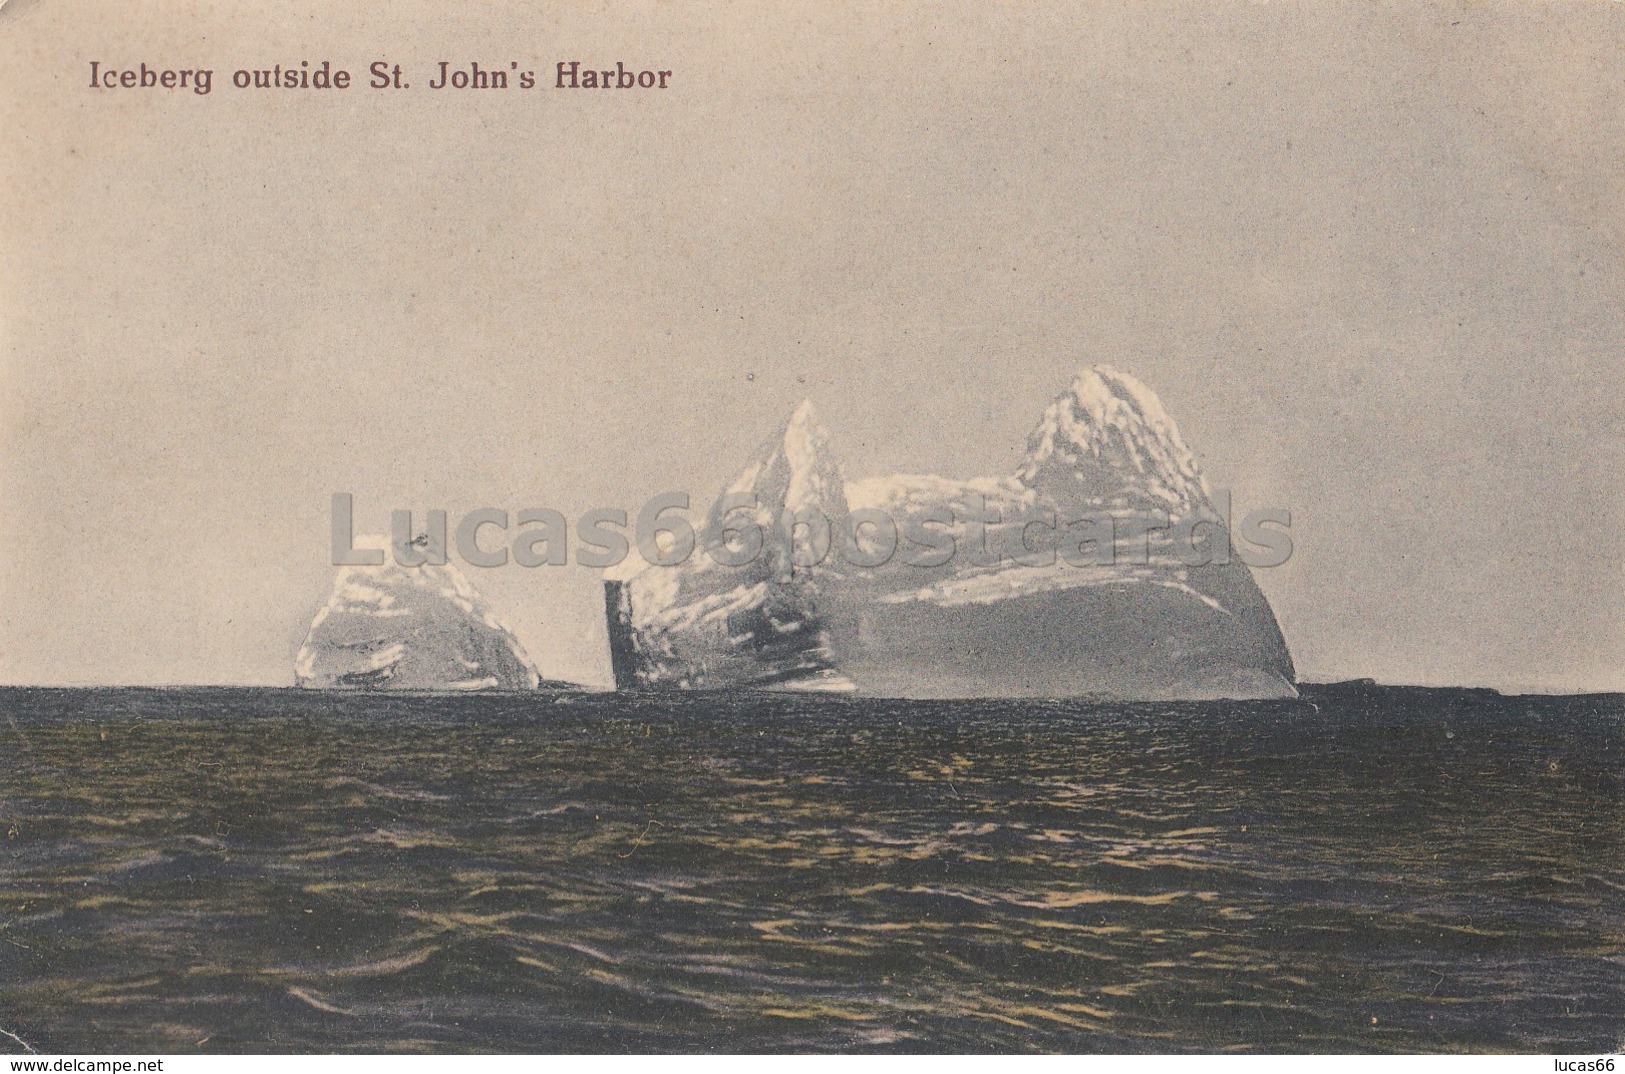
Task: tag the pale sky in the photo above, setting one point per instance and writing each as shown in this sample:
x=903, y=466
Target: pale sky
x=1372, y=258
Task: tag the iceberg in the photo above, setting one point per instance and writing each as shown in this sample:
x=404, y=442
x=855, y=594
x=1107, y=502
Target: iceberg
x=392, y=627
x=1015, y=611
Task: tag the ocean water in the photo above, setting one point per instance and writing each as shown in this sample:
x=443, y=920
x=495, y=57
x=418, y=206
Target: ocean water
x=211, y=870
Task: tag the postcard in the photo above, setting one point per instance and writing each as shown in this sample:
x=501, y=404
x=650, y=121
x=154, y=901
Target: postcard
x=651, y=528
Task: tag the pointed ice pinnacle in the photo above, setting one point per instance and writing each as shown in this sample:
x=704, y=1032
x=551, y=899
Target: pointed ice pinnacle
x=793, y=473
x=704, y=623
x=410, y=628
x=1106, y=442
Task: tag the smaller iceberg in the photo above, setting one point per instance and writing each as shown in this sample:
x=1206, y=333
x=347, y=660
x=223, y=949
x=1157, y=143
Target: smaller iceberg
x=410, y=628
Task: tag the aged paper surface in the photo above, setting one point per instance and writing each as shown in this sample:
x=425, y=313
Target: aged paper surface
x=1341, y=282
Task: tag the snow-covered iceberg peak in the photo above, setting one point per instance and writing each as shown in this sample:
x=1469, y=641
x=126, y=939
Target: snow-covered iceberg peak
x=410, y=628
x=1107, y=442
x=793, y=472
